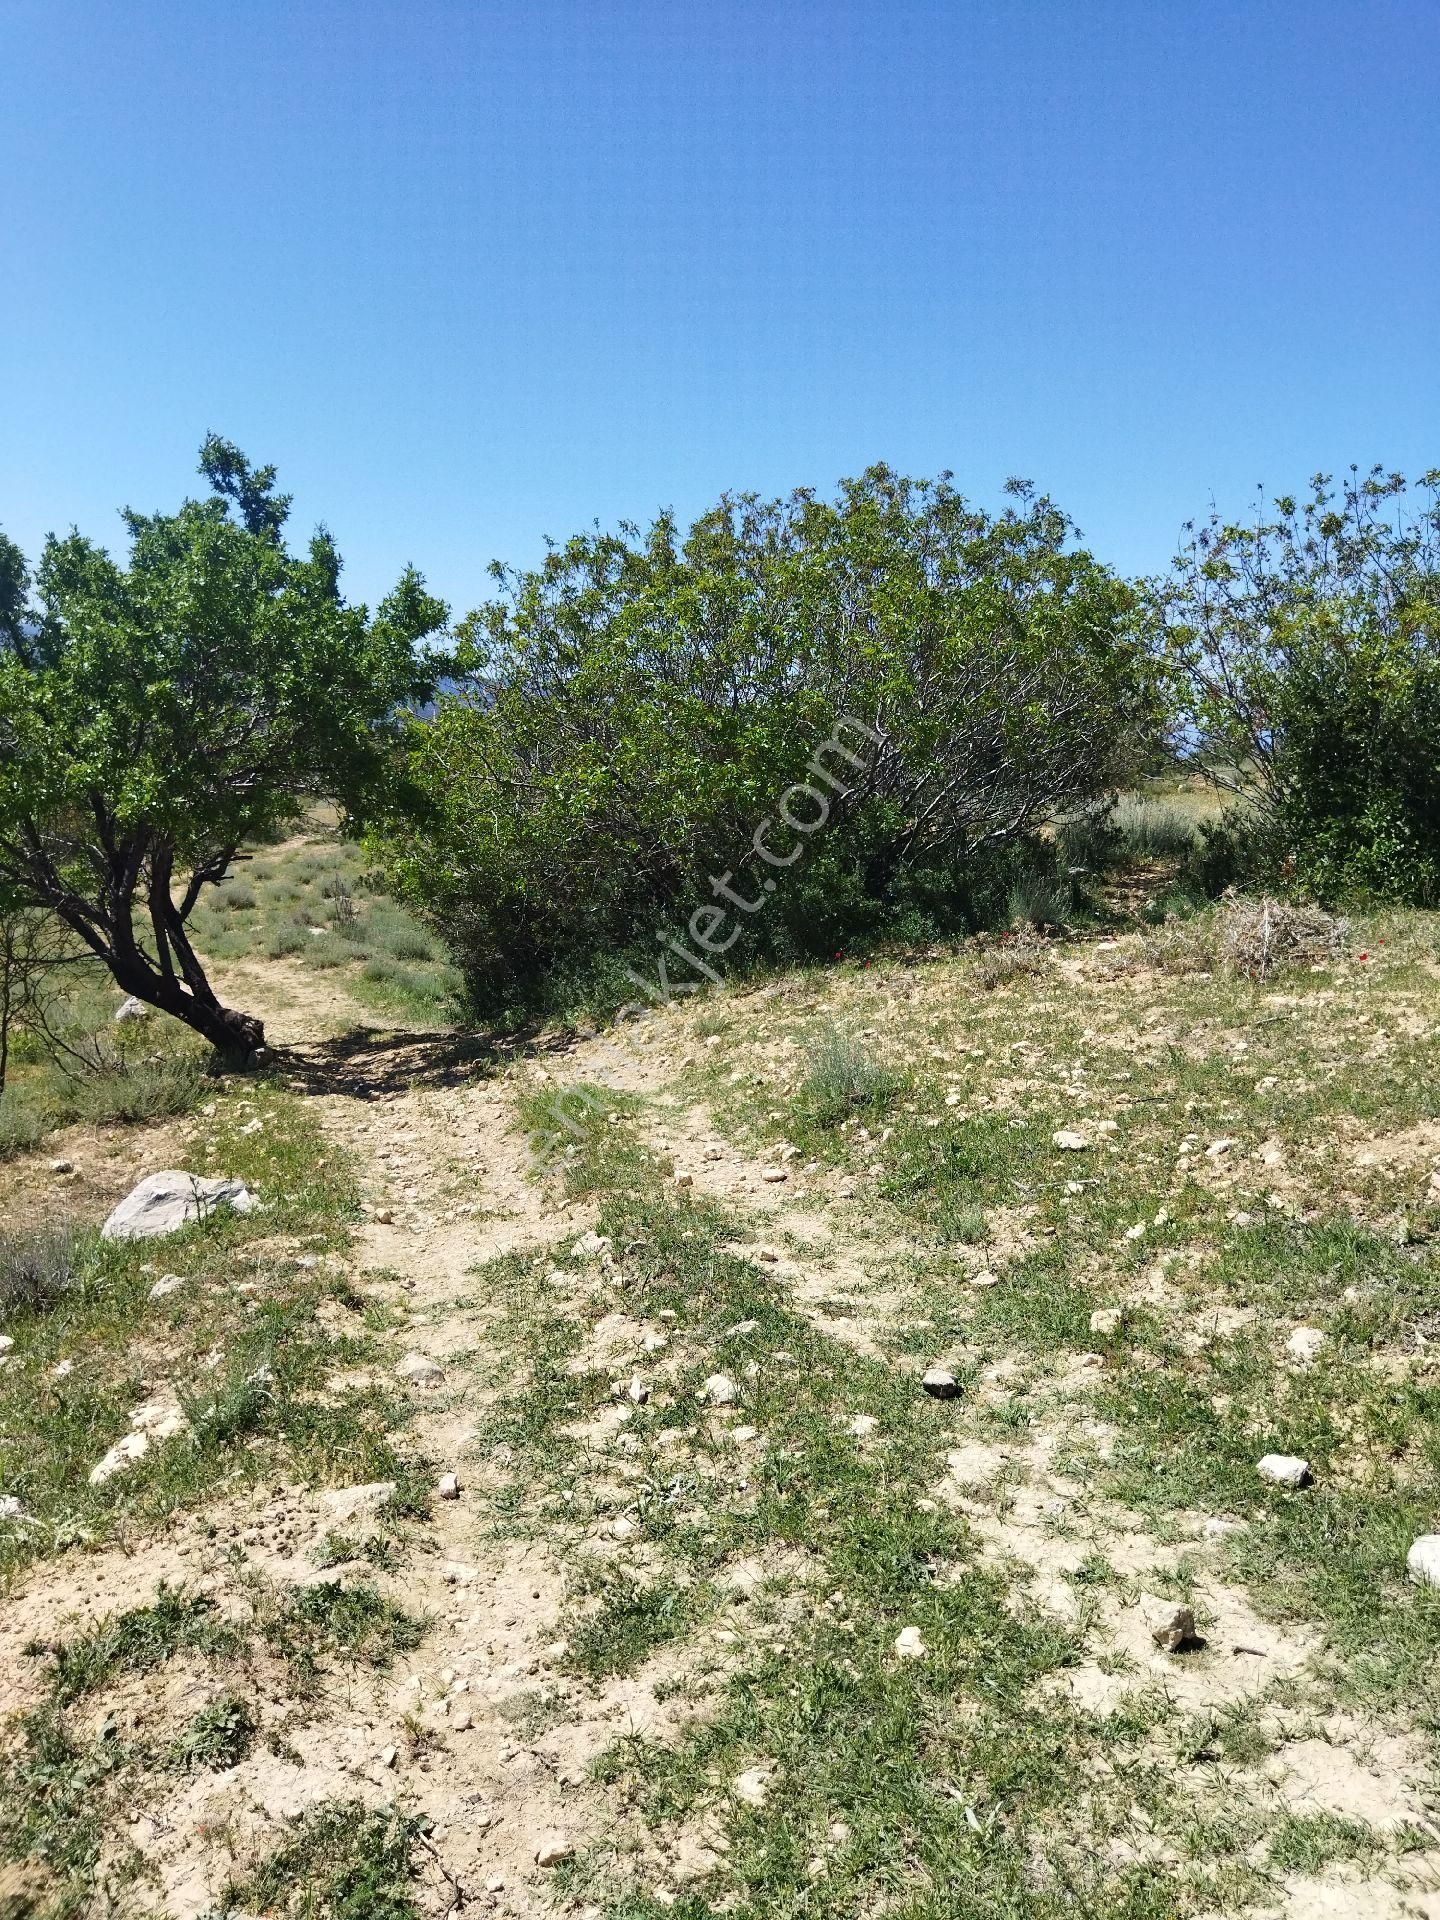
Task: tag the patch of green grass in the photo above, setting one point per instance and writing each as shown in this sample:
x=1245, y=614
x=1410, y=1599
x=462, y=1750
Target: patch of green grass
x=343, y=1861
x=138, y=1641
x=249, y=1368
x=328, y=1621
x=630, y=1623
x=56, y=1799
x=843, y=1079
x=218, y=1736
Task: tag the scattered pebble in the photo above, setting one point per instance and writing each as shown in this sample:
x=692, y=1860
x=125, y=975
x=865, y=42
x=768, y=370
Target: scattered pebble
x=1217, y=1149
x=61, y=1166
x=10, y=1508
x=1069, y=1141
x=1284, y=1469
x=388, y=1756
x=773, y=1175
x=448, y=1486
x=123, y=1454
x=909, y=1644
x=985, y=1278
x=553, y=1849
x=720, y=1390
x=940, y=1383
x=863, y=1425
x=590, y=1246
x=167, y=1283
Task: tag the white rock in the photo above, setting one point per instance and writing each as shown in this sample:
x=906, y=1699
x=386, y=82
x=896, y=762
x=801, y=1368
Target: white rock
x=388, y=1756
x=10, y=1508
x=1305, y=1343
x=455, y=1573
x=1137, y=1232
x=1217, y=1149
x=940, y=1383
x=123, y=1454
x=720, y=1390
x=553, y=1849
x=161, y=1419
x=753, y=1785
x=420, y=1370
x=61, y=1166
x=654, y=1343
x=63, y=1369
x=985, y=1278
x=460, y=1719
x=638, y=1391
x=1284, y=1469
x=1172, y=1627
x=622, y=1528
x=1106, y=1320
x=772, y=1176
x=166, y=1202
x=1423, y=1560
x=1069, y=1141
x=348, y=1503
x=448, y=1486
x=132, y=1009
x=863, y=1425
x=7, y=1341
x=909, y=1644
x=167, y=1283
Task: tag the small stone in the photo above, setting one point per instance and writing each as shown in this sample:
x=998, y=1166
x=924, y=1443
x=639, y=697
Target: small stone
x=863, y=1425
x=1217, y=1149
x=940, y=1383
x=388, y=1756
x=1137, y=1232
x=343, y=1504
x=1284, y=1470
x=383, y=1217
x=460, y=1720
x=1107, y=1320
x=591, y=1246
x=741, y=1434
x=61, y=1166
x=638, y=1391
x=167, y=1283
x=720, y=1390
x=985, y=1278
x=1068, y=1141
x=420, y=1371
x=447, y=1487
x=132, y=1009
x=553, y=1849
x=622, y=1528
x=455, y=1573
x=654, y=1343
x=1305, y=1343
x=684, y=1179
x=740, y=1328
x=1171, y=1628
x=10, y=1508
x=1423, y=1560
x=772, y=1176
x=909, y=1644
x=753, y=1785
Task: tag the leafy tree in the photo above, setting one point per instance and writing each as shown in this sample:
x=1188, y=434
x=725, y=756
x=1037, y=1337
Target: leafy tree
x=1307, y=650
x=156, y=715
x=633, y=710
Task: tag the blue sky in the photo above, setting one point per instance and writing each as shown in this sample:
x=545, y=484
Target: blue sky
x=472, y=274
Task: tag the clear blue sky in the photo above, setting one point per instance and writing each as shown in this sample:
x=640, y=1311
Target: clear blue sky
x=476, y=273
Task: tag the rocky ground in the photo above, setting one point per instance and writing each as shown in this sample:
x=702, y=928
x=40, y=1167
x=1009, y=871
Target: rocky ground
x=773, y=1487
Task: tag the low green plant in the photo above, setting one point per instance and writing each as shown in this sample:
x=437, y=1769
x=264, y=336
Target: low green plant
x=343, y=1861
x=843, y=1080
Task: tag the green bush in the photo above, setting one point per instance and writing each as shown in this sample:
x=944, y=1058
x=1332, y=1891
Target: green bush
x=833, y=718
x=1307, y=650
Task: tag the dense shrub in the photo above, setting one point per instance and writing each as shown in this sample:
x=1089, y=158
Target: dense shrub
x=649, y=725
x=1307, y=649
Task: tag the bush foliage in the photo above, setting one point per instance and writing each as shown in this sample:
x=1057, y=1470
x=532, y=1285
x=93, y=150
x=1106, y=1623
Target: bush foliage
x=650, y=723
x=1307, y=654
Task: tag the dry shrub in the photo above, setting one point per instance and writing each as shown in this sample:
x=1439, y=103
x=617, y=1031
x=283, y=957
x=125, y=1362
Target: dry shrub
x=1018, y=959
x=1259, y=937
